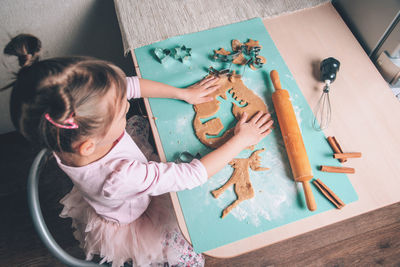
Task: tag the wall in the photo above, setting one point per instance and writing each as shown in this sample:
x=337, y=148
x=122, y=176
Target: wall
x=65, y=27
x=369, y=20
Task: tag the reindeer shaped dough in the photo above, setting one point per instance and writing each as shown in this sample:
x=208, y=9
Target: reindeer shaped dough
x=241, y=179
x=232, y=84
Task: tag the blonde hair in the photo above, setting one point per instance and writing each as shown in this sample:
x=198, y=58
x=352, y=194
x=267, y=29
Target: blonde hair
x=61, y=87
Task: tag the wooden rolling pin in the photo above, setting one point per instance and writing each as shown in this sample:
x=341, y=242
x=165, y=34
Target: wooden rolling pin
x=301, y=168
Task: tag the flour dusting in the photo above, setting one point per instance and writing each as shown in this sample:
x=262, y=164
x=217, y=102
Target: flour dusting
x=297, y=112
x=296, y=108
x=273, y=189
x=182, y=124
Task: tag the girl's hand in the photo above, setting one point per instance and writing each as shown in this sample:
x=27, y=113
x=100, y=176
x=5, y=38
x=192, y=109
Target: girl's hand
x=253, y=131
x=199, y=93
x=247, y=133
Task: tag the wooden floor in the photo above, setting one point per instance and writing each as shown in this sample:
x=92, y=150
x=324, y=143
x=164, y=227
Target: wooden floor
x=371, y=239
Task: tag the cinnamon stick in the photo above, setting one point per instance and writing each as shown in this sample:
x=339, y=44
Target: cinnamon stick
x=328, y=193
x=336, y=147
x=347, y=155
x=337, y=169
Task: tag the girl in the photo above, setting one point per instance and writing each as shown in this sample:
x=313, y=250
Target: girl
x=77, y=108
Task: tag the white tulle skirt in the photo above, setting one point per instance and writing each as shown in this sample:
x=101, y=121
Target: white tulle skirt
x=151, y=240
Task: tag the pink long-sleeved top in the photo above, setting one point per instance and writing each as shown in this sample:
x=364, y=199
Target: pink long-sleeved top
x=119, y=185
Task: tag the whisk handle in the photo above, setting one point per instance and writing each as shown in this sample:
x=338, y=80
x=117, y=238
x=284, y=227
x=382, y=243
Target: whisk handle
x=329, y=68
x=275, y=80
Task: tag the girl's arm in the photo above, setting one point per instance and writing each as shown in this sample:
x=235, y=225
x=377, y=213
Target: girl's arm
x=195, y=94
x=155, y=178
x=246, y=134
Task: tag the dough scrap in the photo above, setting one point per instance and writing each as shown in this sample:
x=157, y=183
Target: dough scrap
x=241, y=179
x=236, y=45
x=238, y=50
x=222, y=51
x=240, y=60
x=262, y=60
x=233, y=84
x=252, y=43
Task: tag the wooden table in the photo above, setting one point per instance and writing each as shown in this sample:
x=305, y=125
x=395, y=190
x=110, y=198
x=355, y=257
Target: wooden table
x=364, y=110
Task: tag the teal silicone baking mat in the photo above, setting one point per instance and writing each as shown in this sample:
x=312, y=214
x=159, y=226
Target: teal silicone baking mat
x=278, y=199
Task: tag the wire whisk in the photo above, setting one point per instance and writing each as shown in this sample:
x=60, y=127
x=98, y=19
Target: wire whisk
x=323, y=110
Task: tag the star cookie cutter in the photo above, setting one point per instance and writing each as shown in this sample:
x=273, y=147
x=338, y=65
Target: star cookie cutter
x=183, y=53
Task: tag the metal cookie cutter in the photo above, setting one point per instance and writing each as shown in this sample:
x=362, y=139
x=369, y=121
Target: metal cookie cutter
x=217, y=73
x=183, y=53
x=162, y=54
x=186, y=157
x=226, y=58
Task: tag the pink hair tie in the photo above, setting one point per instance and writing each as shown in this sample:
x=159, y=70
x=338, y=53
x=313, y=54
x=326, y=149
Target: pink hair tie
x=67, y=124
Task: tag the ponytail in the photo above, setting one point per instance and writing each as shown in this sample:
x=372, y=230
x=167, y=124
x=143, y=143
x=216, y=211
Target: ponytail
x=48, y=93
x=26, y=47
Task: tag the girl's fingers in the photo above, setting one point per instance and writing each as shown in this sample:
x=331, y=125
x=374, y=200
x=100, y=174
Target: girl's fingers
x=205, y=80
x=267, y=132
x=256, y=117
x=243, y=119
x=212, y=88
x=206, y=93
x=205, y=99
x=209, y=81
x=266, y=126
x=264, y=118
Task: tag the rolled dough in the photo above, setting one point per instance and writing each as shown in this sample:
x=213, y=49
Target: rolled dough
x=233, y=84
